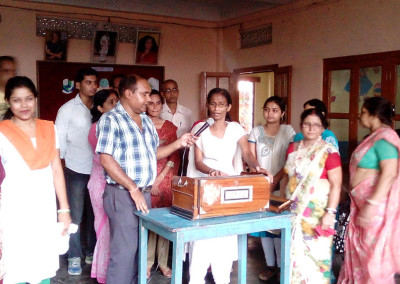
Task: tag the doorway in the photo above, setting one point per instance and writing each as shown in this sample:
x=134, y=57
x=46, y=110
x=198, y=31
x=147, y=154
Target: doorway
x=265, y=81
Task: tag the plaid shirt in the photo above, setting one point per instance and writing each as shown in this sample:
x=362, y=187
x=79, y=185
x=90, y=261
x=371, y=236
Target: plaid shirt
x=134, y=150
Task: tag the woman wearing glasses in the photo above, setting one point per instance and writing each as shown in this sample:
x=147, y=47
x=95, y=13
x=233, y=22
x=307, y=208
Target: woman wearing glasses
x=269, y=143
x=314, y=178
x=215, y=153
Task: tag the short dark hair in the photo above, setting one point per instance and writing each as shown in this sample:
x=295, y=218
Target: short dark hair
x=15, y=83
x=81, y=73
x=318, y=104
x=278, y=100
x=119, y=75
x=317, y=112
x=128, y=83
x=380, y=107
x=6, y=58
x=155, y=92
x=166, y=82
x=99, y=98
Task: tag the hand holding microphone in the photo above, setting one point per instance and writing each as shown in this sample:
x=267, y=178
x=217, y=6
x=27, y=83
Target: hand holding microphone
x=210, y=121
x=188, y=139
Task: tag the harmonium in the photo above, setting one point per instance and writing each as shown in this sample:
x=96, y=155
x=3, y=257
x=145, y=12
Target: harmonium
x=205, y=197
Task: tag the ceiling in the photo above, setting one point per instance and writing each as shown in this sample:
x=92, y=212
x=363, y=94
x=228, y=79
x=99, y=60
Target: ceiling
x=207, y=10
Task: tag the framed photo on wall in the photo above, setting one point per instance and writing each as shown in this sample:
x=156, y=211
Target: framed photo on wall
x=147, y=47
x=56, y=45
x=104, y=47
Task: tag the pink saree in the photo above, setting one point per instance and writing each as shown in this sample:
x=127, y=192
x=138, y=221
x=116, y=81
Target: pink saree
x=96, y=186
x=372, y=255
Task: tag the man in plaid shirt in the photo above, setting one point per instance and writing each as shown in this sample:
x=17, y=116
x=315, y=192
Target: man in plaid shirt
x=128, y=147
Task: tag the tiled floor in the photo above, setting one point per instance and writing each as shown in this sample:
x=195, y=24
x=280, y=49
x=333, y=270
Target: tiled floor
x=255, y=263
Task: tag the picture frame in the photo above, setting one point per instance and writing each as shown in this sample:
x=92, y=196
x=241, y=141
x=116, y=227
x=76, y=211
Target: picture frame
x=104, y=47
x=55, y=47
x=147, y=47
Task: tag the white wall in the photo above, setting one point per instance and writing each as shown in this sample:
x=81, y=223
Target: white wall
x=184, y=51
x=303, y=39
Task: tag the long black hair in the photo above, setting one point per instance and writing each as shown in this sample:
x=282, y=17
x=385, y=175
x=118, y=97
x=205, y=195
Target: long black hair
x=15, y=83
x=142, y=44
x=99, y=99
x=317, y=112
x=380, y=107
x=223, y=92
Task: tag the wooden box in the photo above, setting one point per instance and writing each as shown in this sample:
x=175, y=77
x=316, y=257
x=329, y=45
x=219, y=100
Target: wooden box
x=205, y=197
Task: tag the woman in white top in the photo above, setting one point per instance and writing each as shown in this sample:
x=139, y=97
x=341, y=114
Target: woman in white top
x=33, y=184
x=215, y=153
x=269, y=143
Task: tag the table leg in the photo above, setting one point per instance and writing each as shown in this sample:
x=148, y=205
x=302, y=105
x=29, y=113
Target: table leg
x=242, y=263
x=143, y=236
x=177, y=259
x=285, y=254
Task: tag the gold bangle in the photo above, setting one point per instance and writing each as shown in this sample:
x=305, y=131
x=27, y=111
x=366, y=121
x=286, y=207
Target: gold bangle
x=63, y=211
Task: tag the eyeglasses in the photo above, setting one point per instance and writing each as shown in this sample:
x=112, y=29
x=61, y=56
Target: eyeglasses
x=169, y=91
x=311, y=125
x=214, y=105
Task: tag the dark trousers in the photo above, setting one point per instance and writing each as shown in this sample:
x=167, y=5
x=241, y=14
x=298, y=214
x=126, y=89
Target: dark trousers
x=119, y=206
x=79, y=202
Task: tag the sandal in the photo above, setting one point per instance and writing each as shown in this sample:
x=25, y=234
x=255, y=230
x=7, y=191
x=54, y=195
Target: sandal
x=166, y=272
x=267, y=275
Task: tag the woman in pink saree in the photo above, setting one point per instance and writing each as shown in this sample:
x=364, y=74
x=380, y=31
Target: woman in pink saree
x=104, y=101
x=372, y=246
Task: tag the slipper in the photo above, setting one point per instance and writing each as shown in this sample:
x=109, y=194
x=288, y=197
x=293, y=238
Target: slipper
x=167, y=272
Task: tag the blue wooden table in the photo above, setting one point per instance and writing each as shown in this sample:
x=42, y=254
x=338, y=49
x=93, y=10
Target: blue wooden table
x=179, y=230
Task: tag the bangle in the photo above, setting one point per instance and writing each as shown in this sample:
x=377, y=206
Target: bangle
x=63, y=211
x=331, y=211
x=373, y=202
x=170, y=164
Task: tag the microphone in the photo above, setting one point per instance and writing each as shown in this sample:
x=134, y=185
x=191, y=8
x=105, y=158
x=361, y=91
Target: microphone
x=209, y=122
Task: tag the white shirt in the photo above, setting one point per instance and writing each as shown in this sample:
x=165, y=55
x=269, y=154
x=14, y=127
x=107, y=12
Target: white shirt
x=73, y=124
x=219, y=153
x=181, y=119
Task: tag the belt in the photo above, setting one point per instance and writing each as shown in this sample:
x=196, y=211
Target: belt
x=142, y=189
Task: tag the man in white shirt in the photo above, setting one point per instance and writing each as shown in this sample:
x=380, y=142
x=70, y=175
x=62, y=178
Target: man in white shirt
x=73, y=124
x=179, y=115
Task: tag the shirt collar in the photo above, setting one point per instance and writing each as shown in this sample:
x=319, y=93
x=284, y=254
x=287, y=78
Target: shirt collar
x=78, y=101
x=120, y=108
x=178, y=108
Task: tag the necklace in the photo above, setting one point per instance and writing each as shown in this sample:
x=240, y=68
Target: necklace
x=298, y=158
